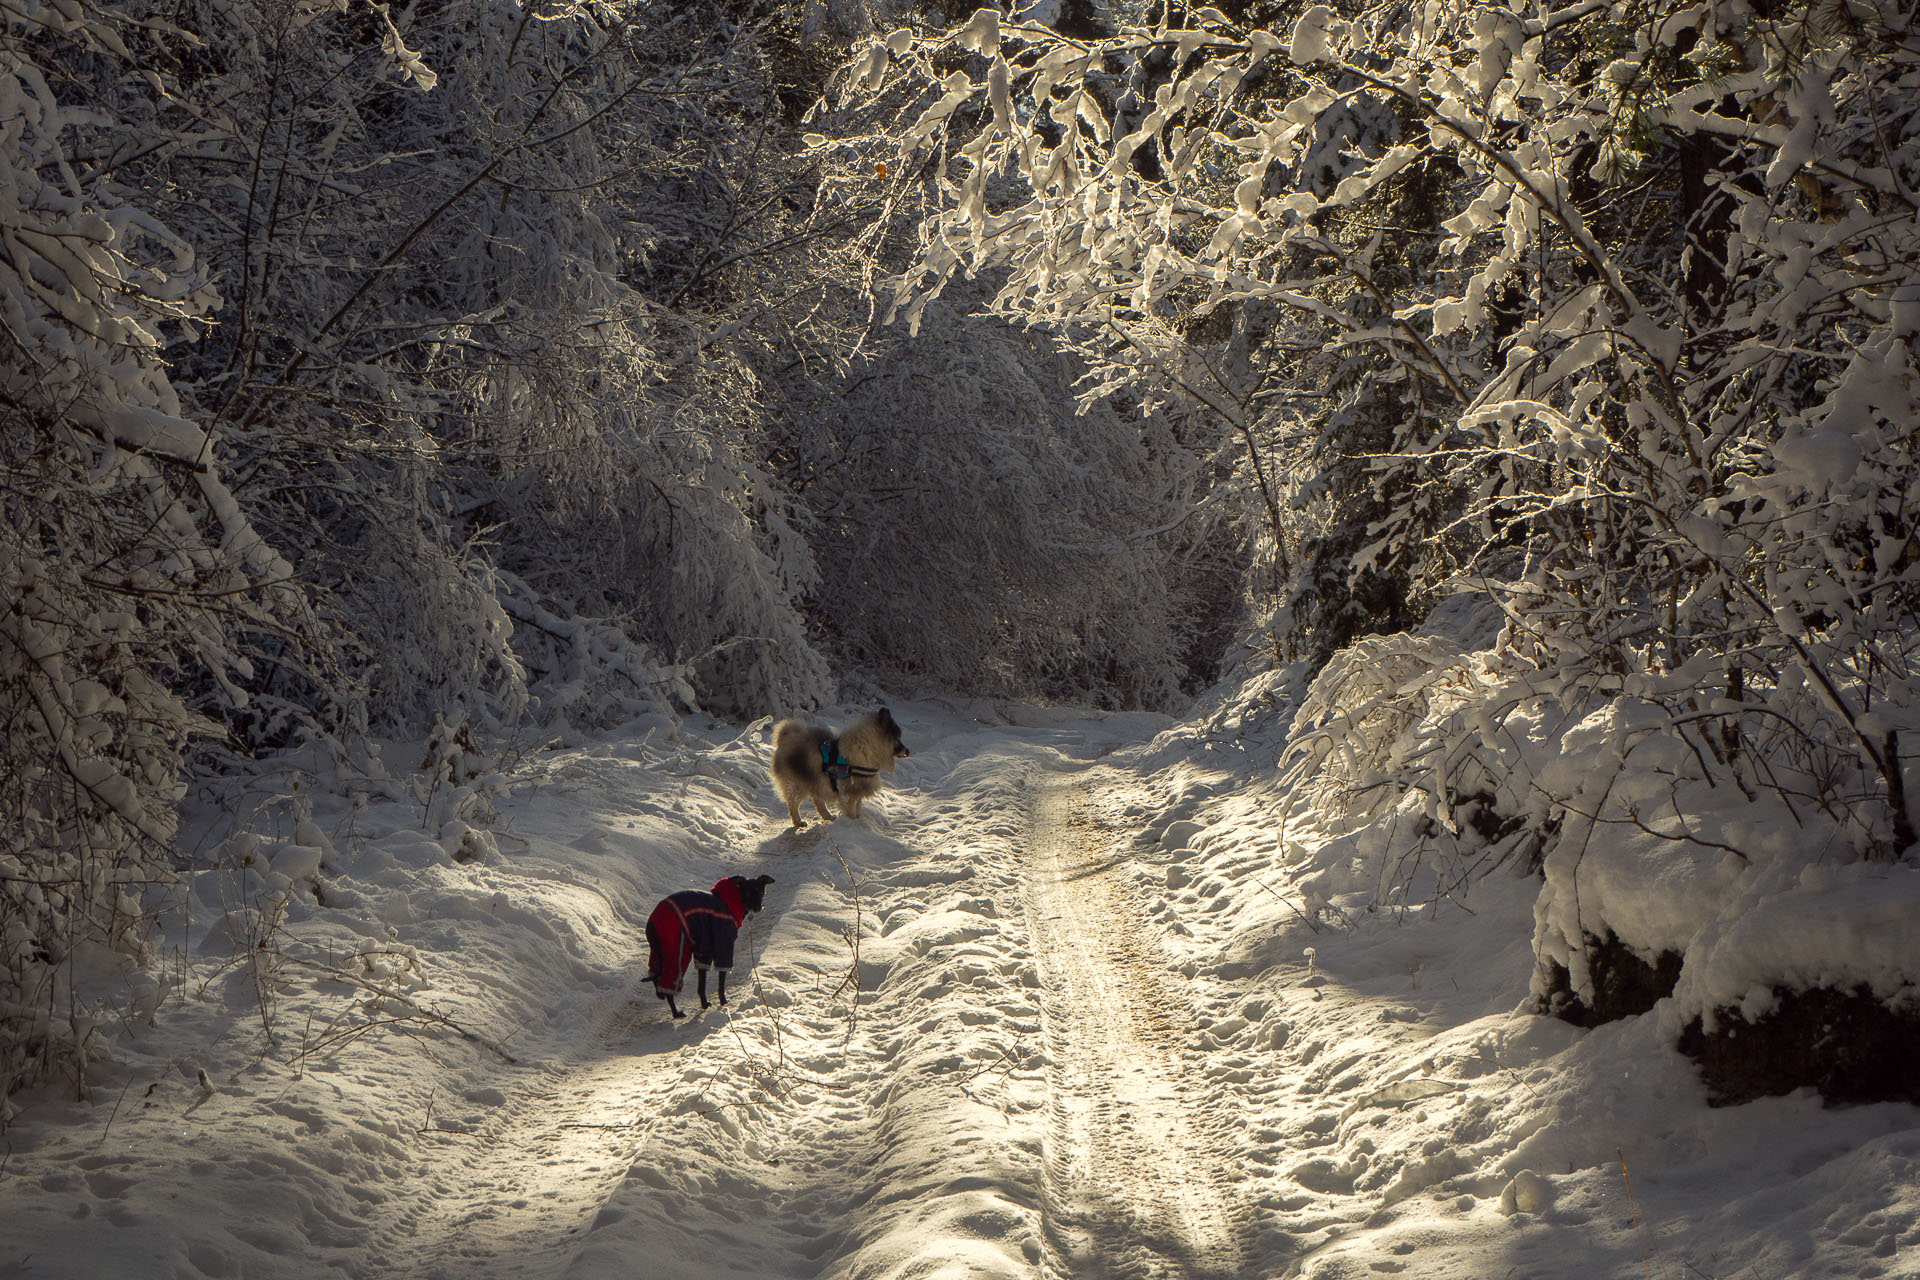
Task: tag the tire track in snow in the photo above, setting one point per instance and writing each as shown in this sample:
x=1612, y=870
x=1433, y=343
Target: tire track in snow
x=1132, y=1187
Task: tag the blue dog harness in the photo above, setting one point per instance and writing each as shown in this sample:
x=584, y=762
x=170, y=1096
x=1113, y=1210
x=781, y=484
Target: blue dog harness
x=838, y=766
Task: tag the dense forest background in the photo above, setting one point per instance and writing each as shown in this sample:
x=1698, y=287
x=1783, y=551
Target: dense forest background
x=498, y=371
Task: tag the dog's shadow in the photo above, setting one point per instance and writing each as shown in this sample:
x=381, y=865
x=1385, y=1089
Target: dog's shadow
x=788, y=839
x=807, y=839
x=642, y=1026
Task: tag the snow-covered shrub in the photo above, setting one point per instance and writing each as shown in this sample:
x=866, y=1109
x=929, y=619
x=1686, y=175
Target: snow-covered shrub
x=133, y=588
x=616, y=461
x=1331, y=602
x=1663, y=842
x=1374, y=722
x=1412, y=766
x=435, y=631
x=589, y=673
x=452, y=780
x=663, y=527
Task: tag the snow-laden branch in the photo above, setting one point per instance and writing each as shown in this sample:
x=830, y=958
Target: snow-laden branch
x=1629, y=396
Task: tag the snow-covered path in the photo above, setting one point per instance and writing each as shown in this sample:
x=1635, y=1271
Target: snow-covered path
x=1136, y=1185
x=510, y=1198
x=959, y=1041
x=1051, y=1011
x=997, y=1097
x=1024, y=1082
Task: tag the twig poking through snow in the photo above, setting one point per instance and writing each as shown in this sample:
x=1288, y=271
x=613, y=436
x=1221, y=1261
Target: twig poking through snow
x=852, y=935
x=1639, y=1227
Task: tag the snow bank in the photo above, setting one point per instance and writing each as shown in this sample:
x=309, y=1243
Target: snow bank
x=1750, y=890
x=1834, y=926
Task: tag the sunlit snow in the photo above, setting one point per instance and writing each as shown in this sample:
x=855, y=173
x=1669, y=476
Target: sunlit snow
x=1055, y=1007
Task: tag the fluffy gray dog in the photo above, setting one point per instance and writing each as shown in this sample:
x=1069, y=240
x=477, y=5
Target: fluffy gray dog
x=814, y=763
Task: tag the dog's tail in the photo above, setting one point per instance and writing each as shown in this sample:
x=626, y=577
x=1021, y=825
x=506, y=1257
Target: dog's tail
x=788, y=733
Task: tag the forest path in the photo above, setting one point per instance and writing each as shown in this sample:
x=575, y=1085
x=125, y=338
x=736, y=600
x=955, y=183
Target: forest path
x=1134, y=1185
x=515, y=1197
x=1019, y=1084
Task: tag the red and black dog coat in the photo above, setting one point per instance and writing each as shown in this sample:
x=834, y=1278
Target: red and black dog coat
x=691, y=927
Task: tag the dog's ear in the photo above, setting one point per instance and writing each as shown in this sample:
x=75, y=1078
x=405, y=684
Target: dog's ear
x=765, y=879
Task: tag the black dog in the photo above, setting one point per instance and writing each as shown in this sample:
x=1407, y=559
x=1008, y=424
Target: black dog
x=699, y=928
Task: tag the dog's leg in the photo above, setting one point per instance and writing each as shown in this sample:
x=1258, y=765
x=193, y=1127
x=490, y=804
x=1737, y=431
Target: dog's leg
x=826, y=814
x=793, y=811
x=703, y=988
x=852, y=805
x=723, y=987
x=659, y=960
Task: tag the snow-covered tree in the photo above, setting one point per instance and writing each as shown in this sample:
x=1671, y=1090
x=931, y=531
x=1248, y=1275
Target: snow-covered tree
x=1651, y=379
x=975, y=534
x=134, y=590
x=487, y=303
